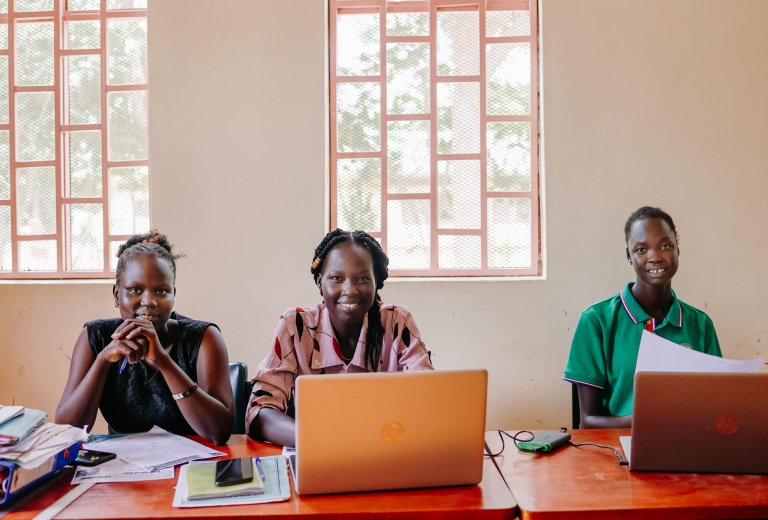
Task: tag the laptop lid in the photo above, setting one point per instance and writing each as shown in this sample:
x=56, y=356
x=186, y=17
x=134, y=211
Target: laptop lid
x=700, y=423
x=378, y=431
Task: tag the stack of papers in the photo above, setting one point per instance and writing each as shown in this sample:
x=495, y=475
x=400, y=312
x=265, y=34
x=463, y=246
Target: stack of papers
x=45, y=441
x=9, y=412
x=201, y=483
x=13, y=430
x=142, y=456
x=276, y=487
x=154, y=450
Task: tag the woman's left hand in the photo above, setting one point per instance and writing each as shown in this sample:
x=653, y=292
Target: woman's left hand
x=142, y=330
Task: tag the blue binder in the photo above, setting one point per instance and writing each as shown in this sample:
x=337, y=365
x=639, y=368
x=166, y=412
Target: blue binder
x=21, y=480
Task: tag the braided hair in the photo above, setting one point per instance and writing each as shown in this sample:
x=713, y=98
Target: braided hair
x=153, y=243
x=374, y=338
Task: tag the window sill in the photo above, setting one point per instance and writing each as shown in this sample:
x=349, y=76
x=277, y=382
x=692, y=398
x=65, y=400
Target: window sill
x=80, y=281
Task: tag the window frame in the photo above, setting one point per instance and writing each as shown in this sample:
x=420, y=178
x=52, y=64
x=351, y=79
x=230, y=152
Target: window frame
x=336, y=7
x=61, y=16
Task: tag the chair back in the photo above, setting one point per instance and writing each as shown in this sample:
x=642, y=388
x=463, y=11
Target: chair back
x=575, y=407
x=241, y=388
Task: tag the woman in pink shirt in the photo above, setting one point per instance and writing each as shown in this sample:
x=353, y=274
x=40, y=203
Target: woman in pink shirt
x=351, y=331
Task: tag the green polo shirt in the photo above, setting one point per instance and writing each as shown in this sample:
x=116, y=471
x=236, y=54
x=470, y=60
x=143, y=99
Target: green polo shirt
x=607, y=340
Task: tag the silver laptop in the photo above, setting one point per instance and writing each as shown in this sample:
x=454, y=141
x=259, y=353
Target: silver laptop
x=699, y=423
x=367, y=432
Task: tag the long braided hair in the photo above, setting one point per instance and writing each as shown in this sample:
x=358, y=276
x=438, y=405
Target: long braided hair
x=154, y=243
x=374, y=338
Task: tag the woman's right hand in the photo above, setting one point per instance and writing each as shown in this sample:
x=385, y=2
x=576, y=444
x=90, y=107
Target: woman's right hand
x=134, y=349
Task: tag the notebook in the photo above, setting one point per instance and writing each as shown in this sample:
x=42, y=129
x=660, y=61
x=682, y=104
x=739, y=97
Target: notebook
x=699, y=423
x=379, y=431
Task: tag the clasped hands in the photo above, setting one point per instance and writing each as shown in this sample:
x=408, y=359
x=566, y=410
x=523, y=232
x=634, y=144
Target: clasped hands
x=137, y=340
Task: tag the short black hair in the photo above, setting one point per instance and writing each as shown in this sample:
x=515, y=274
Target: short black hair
x=374, y=338
x=153, y=243
x=647, y=212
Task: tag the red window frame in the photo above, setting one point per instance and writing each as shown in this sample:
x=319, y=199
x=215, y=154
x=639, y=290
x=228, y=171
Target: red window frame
x=60, y=16
x=341, y=7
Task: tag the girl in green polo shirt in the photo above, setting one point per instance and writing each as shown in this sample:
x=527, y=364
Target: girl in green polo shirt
x=607, y=339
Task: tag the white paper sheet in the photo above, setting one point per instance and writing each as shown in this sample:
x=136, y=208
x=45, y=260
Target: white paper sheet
x=660, y=355
x=9, y=412
x=155, y=449
x=65, y=436
x=116, y=470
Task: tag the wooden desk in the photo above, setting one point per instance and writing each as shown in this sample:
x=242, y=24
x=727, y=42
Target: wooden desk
x=587, y=482
x=152, y=500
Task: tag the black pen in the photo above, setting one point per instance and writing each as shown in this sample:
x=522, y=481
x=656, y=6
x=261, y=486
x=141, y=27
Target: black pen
x=261, y=470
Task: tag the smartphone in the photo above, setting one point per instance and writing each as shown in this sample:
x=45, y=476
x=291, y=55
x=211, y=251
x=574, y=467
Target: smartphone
x=92, y=458
x=234, y=471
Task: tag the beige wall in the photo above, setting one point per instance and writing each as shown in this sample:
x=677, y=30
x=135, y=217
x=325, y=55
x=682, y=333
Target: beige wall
x=646, y=102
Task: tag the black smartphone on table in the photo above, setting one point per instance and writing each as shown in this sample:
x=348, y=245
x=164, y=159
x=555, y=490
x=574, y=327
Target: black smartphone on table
x=234, y=471
x=92, y=458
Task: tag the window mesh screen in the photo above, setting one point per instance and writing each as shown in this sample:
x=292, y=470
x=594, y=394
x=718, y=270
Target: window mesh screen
x=74, y=150
x=434, y=132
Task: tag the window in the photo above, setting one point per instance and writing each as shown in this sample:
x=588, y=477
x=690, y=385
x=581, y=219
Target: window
x=434, y=132
x=74, y=161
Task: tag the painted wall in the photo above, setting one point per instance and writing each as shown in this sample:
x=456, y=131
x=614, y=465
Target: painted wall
x=645, y=102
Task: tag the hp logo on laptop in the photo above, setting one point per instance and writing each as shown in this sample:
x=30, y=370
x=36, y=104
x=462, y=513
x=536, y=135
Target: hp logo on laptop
x=726, y=424
x=392, y=432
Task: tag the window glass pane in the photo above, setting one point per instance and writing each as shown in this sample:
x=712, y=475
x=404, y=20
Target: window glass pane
x=4, y=96
x=83, y=5
x=509, y=233
x=6, y=248
x=408, y=234
x=128, y=137
x=126, y=4
x=4, y=36
x=458, y=117
x=408, y=163
x=359, y=194
x=127, y=51
x=114, y=247
x=407, y=78
x=84, y=90
x=3, y=6
x=85, y=164
x=84, y=35
x=38, y=255
x=33, y=5
x=128, y=200
x=458, y=252
x=508, y=79
x=458, y=200
x=35, y=129
x=357, y=45
x=359, y=115
x=5, y=166
x=86, y=233
x=458, y=43
x=507, y=23
x=509, y=156
x=34, y=53
x=36, y=191
x=408, y=24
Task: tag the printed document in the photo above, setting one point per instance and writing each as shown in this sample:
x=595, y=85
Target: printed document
x=156, y=449
x=660, y=355
x=116, y=470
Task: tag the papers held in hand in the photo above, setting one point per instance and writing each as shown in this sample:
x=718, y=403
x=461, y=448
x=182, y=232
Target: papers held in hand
x=201, y=478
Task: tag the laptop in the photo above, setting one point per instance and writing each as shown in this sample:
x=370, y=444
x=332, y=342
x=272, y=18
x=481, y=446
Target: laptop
x=699, y=423
x=380, y=431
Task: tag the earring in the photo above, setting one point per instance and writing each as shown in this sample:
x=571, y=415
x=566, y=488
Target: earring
x=117, y=305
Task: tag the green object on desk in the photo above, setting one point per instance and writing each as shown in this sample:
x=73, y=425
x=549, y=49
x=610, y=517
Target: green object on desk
x=201, y=478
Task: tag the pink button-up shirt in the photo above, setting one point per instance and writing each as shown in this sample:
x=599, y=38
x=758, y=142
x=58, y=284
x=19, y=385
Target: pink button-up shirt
x=304, y=343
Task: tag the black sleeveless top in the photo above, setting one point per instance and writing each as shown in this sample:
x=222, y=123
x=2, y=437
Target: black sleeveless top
x=134, y=401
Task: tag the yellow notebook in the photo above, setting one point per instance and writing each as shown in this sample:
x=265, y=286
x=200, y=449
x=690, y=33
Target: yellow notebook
x=201, y=478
